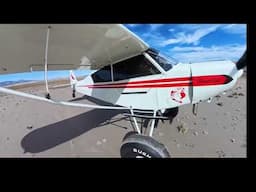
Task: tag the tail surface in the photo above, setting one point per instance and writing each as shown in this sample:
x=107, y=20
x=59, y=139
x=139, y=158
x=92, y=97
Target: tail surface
x=72, y=78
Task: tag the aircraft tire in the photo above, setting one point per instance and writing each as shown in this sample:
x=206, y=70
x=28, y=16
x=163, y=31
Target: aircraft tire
x=129, y=134
x=141, y=146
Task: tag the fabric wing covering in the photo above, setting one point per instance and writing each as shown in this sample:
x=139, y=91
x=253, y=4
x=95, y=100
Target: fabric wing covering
x=71, y=46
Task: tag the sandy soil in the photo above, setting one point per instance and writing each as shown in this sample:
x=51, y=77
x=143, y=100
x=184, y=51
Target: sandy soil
x=30, y=128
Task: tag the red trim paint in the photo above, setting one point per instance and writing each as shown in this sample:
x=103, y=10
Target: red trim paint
x=147, y=81
x=194, y=81
x=210, y=80
x=143, y=86
x=159, y=80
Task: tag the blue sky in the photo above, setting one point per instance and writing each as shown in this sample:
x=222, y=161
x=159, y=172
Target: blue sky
x=184, y=42
x=194, y=42
x=39, y=75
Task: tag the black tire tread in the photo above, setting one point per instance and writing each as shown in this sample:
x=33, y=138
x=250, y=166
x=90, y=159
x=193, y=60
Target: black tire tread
x=148, y=141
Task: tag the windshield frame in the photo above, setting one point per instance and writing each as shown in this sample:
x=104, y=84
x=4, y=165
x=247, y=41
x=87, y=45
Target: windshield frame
x=164, y=61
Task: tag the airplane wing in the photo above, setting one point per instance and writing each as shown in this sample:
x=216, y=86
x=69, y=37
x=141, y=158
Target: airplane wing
x=70, y=46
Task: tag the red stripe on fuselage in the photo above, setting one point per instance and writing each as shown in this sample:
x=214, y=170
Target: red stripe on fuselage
x=148, y=81
x=170, y=82
x=143, y=86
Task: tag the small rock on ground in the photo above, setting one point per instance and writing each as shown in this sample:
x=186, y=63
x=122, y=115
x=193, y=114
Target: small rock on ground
x=195, y=133
x=98, y=143
x=219, y=104
x=205, y=132
x=30, y=127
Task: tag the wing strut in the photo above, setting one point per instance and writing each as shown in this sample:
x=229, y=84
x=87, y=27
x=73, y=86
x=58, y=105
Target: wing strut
x=35, y=97
x=46, y=64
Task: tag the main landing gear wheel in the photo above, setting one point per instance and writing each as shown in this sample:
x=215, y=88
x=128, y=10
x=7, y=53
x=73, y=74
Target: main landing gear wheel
x=141, y=146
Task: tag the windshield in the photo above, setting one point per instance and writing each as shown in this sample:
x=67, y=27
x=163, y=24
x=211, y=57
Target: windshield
x=166, y=62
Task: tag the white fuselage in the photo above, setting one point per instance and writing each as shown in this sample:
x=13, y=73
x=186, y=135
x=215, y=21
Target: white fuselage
x=182, y=84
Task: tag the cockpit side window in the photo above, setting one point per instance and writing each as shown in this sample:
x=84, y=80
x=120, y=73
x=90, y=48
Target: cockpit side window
x=137, y=66
x=102, y=75
x=134, y=67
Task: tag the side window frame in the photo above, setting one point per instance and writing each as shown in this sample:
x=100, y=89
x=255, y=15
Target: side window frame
x=153, y=62
x=111, y=70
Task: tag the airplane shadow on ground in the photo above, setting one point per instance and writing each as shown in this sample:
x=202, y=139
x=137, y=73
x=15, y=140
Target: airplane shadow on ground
x=49, y=136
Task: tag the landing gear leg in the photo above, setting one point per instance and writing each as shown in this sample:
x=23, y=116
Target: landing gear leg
x=136, y=145
x=152, y=124
x=74, y=93
x=135, y=121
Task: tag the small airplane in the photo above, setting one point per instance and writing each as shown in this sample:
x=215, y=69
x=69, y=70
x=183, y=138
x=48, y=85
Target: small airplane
x=129, y=74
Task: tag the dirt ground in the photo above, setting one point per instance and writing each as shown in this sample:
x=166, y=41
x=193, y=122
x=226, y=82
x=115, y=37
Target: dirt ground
x=31, y=128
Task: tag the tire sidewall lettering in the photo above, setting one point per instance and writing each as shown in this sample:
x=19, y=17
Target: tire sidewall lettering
x=141, y=152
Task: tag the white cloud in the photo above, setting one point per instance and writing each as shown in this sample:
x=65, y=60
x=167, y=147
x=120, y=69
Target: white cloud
x=229, y=28
x=193, y=27
x=187, y=49
x=154, y=27
x=235, y=28
x=195, y=34
x=133, y=25
x=192, y=37
x=154, y=39
x=198, y=53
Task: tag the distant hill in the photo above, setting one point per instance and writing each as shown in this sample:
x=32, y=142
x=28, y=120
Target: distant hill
x=29, y=83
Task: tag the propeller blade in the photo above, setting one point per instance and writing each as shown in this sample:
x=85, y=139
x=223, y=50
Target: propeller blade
x=241, y=62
